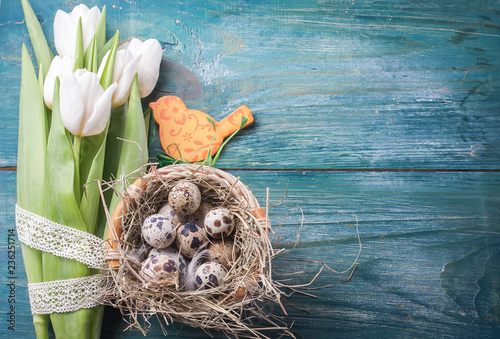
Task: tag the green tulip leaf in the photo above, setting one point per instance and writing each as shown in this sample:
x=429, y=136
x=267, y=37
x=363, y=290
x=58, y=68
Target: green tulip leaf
x=100, y=32
x=60, y=174
x=93, y=150
x=90, y=202
x=127, y=147
x=61, y=207
x=107, y=75
x=79, y=50
x=103, y=50
x=32, y=148
x=47, y=112
x=90, y=57
x=43, y=53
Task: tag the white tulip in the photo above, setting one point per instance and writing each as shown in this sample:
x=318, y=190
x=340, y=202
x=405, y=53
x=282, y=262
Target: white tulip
x=57, y=67
x=123, y=74
x=133, y=57
x=85, y=106
x=66, y=28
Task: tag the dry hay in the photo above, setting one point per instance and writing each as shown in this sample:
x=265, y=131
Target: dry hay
x=236, y=306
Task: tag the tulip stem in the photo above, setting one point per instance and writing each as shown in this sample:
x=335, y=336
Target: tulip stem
x=77, y=143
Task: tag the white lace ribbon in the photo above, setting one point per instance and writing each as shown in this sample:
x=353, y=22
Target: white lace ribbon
x=47, y=236
x=68, y=295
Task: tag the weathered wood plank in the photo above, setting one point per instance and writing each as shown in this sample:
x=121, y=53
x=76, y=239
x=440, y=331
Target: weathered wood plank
x=332, y=84
x=428, y=268
x=379, y=84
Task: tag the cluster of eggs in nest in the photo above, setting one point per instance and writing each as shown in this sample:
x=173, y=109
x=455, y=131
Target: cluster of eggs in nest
x=190, y=240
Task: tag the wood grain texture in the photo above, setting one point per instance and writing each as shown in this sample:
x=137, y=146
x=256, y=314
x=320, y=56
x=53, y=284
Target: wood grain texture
x=408, y=86
x=340, y=84
x=428, y=267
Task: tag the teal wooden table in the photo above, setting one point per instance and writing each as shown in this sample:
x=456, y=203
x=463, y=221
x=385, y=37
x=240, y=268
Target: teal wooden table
x=386, y=109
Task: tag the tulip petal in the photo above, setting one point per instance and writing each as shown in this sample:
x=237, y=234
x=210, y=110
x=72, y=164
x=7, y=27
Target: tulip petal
x=125, y=82
x=135, y=56
x=66, y=25
x=89, y=23
x=71, y=102
x=57, y=67
x=134, y=46
x=48, y=85
x=123, y=57
x=92, y=90
x=123, y=45
x=65, y=34
x=149, y=66
x=78, y=12
x=100, y=113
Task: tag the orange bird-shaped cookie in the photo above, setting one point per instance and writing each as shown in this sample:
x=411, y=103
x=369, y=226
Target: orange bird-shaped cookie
x=190, y=132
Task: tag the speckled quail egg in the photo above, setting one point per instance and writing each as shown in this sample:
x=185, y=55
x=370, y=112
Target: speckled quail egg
x=184, y=198
x=158, y=231
x=199, y=215
x=168, y=212
x=190, y=237
x=223, y=252
x=161, y=269
x=210, y=274
x=173, y=254
x=219, y=222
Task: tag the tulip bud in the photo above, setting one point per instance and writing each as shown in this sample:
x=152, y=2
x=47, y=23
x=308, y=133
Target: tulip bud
x=57, y=67
x=66, y=26
x=85, y=106
x=133, y=57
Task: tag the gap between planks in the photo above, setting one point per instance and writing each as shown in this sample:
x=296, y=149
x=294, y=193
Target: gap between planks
x=14, y=168
x=357, y=170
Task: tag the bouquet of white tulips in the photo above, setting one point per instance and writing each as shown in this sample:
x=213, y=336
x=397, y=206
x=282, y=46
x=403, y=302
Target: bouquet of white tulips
x=80, y=121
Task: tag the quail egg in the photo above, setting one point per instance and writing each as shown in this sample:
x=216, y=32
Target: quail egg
x=221, y=251
x=209, y=275
x=169, y=213
x=161, y=268
x=158, y=231
x=199, y=215
x=184, y=198
x=190, y=237
x=219, y=222
x=174, y=254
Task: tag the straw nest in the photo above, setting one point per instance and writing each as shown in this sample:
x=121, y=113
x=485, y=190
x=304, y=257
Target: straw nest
x=236, y=306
